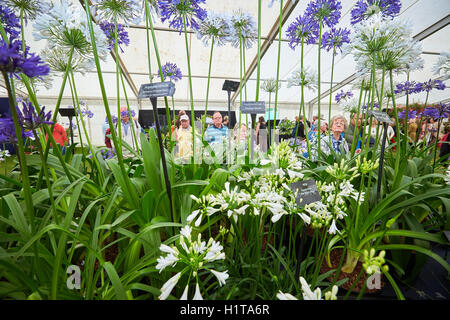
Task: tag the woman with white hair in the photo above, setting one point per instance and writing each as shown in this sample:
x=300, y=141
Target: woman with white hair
x=338, y=125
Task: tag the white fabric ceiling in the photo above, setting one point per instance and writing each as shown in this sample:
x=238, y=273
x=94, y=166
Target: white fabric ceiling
x=423, y=13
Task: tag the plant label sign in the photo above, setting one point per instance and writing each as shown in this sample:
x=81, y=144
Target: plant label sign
x=307, y=192
x=155, y=90
x=380, y=116
x=256, y=107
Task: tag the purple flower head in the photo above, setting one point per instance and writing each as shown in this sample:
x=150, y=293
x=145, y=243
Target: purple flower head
x=171, y=71
x=408, y=87
x=335, y=38
x=9, y=21
x=366, y=8
x=431, y=112
x=303, y=28
x=343, y=96
x=429, y=85
x=114, y=119
x=325, y=11
x=444, y=110
x=8, y=132
x=87, y=113
x=176, y=10
x=122, y=35
x=30, y=119
x=125, y=113
x=375, y=106
x=14, y=61
x=411, y=114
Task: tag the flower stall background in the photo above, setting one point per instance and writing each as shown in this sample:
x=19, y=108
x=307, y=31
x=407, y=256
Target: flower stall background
x=316, y=220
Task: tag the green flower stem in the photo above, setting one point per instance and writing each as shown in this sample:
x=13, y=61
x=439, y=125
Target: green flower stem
x=207, y=88
x=406, y=120
x=191, y=94
x=399, y=177
x=241, y=40
x=21, y=154
x=302, y=102
x=47, y=180
x=77, y=105
x=436, y=142
x=318, y=89
x=329, y=106
x=356, y=129
x=129, y=111
x=278, y=64
x=158, y=60
x=147, y=17
x=116, y=51
x=129, y=187
x=421, y=117
x=258, y=69
x=78, y=121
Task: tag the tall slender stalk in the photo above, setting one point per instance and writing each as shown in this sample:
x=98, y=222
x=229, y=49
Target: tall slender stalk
x=207, y=88
x=191, y=93
x=278, y=63
x=129, y=187
x=318, y=89
x=77, y=105
x=331, y=95
x=258, y=68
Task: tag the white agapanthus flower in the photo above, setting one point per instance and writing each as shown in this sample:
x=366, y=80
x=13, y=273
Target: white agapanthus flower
x=126, y=11
x=193, y=256
x=4, y=154
x=65, y=27
x=197, y=295
x=308, y=78
x=206, y=203
x=442, y=66
x=285, y=296
x=214, y=26
x=29, y=8
x=390, y=41
x=167, y=287
x=309, y=294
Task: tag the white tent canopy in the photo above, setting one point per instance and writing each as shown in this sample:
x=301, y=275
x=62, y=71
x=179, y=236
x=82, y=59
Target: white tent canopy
x=430, y=24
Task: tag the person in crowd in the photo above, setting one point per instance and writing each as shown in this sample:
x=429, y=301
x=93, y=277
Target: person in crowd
x=355, y=124
x=299, y=129
x=184, y=137
x=178, y=121
x=226, y=122
x=338, y=143
x=242, y=134
x=59, y=134
x=444, y=144
x=217, y=131
x=323, y=127
x=412, y=129
x=261, y=134
x=105, y=126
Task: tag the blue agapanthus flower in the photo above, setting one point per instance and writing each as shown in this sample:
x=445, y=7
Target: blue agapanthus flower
x=243, y=26
x=412, y=114
x=343, y=96
x=30, y=119
x=408, y=87
x=14, y=61
x=176, y=10
x=8, y=133
x=303, y=28
x=429, y=85
x=122, y=34
x=335, y=38
x=325, y=11
x=10, y=22
x=171, y=71
x=367, y=8
x=125, y=113
x=87, y=113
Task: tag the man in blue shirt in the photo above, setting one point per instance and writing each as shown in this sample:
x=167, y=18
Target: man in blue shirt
x=217, y=131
